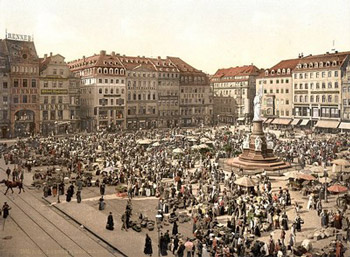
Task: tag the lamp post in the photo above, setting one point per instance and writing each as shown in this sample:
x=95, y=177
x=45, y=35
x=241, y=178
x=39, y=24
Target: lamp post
x=158, y=220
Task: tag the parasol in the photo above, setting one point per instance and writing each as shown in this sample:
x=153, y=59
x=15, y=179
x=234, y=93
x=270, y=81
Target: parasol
x=341, y=162
x=144, y=142
x=336, y=188
x=306, y=176
x=178, y=151
x=317, y=169
x=245, y=182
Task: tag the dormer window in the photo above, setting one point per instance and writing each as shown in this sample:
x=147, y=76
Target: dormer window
x=110, y=71
x=116, y=71
x=288, y=71
x=305, y=65
x=99, y=70
x=311, y=65
x=121, y=71
x=283, y=71
x=272, y=72
x=320, y=64
x=328, y=64
x=334, y=63
x=105, y=70
x=278, y=71
x=316, y=64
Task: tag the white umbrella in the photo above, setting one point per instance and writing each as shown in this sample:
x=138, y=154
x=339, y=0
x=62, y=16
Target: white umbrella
x=178, y=151
x=245, y=182
x=156, y=144
x=144, y=141
x=203, y=146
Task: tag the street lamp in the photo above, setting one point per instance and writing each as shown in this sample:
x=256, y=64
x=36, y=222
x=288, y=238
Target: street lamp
x=158, y=220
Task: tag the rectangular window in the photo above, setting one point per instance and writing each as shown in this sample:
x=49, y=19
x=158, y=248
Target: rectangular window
x=106, y=81
x=4, y=85
x=335, y=73
x=61, y=72
x=4, y=99
x=25, y=83
x=53, y=115
x=54, y=84
x=45, y=115
x=329, y=74
x=15, y=99
x=33, y=99
x=24, y=99
x=46, y=84
x=60, y=84
x=99, y=80
x=55, y=71
x=60, y=114
x=33, y=82
x=323, y=74
x=53, y=99
x=60, y=99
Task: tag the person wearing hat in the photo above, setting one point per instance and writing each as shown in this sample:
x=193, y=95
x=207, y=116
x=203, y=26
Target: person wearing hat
x=110, y=222
x=181, y=249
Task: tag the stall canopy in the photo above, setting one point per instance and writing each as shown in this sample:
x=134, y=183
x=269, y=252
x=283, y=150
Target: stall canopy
x=268, y=121
x=304, y=122
x=241, y=119
x=327, y=124
x=344, y=125
x=281, y=121
x=295, y=122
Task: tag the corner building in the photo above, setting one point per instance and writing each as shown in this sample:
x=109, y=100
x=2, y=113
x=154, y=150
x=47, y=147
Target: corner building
x=102, y=91
x=5, y=93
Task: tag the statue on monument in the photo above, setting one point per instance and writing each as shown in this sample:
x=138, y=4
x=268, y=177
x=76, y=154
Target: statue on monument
x=258, y=143
x=246, y=142
x=257, y=105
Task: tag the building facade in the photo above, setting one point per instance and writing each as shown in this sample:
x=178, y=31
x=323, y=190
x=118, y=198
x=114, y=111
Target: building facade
x=317, y=87
x=277, y=87
x=5, y=96
x=59, y=97
x=102, y=91
x=225, y=109
x=24, y=115
x=196, y=96
x=346, y=93
x=240, y=84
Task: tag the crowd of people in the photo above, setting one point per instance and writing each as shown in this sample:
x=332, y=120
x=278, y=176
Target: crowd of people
x=162, y=163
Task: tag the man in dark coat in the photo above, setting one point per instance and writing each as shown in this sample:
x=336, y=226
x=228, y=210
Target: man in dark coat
x=163, y=245
x=175, y=229
x=148, y=246
x=110, y=222
x=5, y=210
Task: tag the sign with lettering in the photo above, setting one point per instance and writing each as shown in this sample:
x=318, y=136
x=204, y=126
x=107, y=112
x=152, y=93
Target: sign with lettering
x=19, y=37
x=54, y=91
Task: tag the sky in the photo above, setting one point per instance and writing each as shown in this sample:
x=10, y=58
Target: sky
x=207, y=34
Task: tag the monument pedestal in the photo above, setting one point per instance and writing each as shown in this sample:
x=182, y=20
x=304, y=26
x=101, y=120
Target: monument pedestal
x=257, y=153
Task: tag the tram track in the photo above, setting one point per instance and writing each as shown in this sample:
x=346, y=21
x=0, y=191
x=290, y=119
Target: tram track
x=30, y=209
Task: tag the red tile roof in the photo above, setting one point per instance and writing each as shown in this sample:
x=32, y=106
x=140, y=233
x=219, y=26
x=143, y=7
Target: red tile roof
x=249, y=70
x=284, y=64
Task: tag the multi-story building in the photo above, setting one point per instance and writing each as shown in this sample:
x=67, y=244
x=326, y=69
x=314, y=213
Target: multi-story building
x=59, y=96
x=102, y=91
x=4, y=92
x=346, y=93
x=142, y=98
x=196, y=97
x=317, y=88
x=225, y=109
x=24, y=76
x=168, y=89
x=240, y=84
x=277, y=86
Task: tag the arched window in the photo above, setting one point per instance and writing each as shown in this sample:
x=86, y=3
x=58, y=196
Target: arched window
x=320, y=64
x=111, y=71
x=288, y=71
x=312, y=99
x=317, y=99
x=105, y=70
x=311, y=65
x=317, y=85
x=121, y=71
x=334, y=63
x=272, y=72
x=305, y=65
x=266, y=72
x=116, y=71
x=283, y=71
x=316, y=64
x=329, y=99
x=301, y=98
x=323, y=99
x=306, y=99
x=279, y=71
x=328, y=64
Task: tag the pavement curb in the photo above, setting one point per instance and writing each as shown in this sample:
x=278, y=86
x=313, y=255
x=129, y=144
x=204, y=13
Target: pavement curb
x=87, y=228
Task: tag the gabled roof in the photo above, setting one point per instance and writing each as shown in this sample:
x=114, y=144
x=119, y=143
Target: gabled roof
x=277, y=70
x=247, y=70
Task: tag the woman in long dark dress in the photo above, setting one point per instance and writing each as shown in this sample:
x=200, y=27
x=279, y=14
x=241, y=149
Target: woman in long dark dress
x=148, y=246
x=163, y=246
x=175, y=229
x=110, y=222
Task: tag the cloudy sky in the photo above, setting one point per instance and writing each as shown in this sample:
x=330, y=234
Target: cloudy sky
x=208, y=34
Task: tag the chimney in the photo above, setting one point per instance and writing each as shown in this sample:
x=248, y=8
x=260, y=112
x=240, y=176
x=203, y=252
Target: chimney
x=159, y=57
x=118, y=54
x=84, y=57
x=50, y=54
x=45, y=56
x=113, y=53
x=103, y=52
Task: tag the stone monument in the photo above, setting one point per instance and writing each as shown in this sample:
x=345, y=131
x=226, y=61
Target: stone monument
x=257, y=150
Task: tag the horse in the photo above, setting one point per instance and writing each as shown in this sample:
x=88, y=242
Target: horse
x=12, y=184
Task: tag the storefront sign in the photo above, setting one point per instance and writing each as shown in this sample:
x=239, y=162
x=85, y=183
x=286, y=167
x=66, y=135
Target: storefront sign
x=19, y=37
x=54, y=91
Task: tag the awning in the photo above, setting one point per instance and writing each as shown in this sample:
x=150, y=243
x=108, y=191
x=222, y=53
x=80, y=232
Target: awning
x=295, y=122
x=304, y=122
x=241, y=119
x=344, y=125
x=268, y=121
x=327, y=124
x=281, y=121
